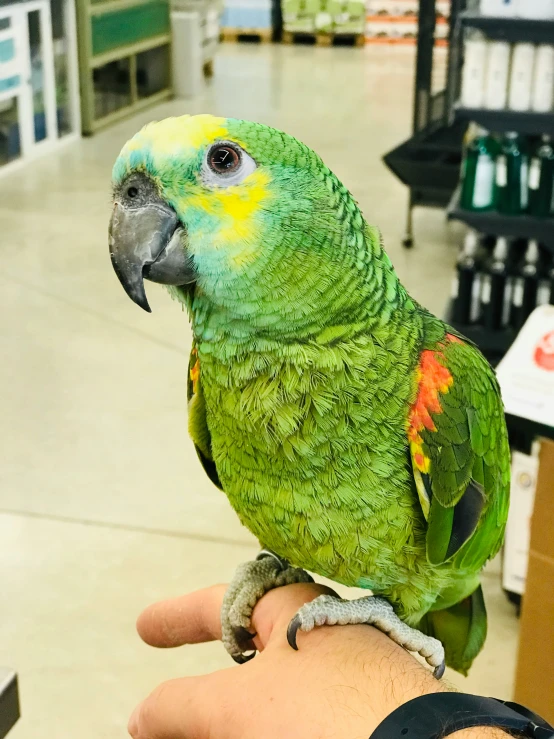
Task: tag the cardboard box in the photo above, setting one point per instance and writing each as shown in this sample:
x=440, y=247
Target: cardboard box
x=535, y=668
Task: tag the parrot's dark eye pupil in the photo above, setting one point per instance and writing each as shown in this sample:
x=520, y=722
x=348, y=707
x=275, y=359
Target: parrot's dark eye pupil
x=132, y=192
x=224, y=159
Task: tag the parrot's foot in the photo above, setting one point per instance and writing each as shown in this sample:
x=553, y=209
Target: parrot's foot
x=329, y=610
x=250, y=582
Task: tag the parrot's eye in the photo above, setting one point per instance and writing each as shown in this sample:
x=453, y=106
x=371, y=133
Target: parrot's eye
x=132, y=192
x=226, y=164
x=224, y=159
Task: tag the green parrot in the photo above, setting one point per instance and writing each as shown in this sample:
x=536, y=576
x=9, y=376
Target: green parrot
x=355, y=434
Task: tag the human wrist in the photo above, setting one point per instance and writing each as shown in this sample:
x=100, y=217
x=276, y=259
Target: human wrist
x=393, y=677
x=376, y=675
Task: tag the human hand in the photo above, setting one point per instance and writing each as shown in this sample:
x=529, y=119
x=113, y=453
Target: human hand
x=343, y=681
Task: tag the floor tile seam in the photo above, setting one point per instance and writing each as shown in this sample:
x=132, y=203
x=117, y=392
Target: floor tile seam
x=130, y=528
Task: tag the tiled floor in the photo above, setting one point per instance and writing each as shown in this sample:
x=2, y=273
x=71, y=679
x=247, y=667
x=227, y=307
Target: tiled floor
x=103, y=505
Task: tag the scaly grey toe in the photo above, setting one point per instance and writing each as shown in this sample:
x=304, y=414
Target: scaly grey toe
x=328, y=610
x=250, y=582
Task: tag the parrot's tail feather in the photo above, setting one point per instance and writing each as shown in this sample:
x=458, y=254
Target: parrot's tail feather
x=462, y=629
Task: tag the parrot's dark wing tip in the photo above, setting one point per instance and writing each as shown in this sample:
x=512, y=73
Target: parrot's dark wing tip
x=292, y=631
x=439, y=671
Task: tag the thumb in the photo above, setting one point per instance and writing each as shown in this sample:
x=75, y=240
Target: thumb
x=184, y=708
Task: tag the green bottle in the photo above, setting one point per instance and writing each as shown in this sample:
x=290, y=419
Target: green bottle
x=512, y=176
x=541, y=180
x=477, y=188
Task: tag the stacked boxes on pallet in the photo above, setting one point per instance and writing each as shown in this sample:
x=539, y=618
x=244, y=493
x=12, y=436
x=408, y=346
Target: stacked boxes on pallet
x=336, y=17
x=247, y=15
x=395, y=21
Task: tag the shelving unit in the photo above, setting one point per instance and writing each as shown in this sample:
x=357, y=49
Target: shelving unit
x=429, y=162
x=39, y=85
x=124, y=58
x=502, y=121
x=513, y=30
x=529, y=123
x=497, y=224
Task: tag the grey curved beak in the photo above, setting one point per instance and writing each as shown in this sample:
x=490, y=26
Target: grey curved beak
x=148, y=242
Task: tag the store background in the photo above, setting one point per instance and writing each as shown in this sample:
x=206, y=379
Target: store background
x=97, y=520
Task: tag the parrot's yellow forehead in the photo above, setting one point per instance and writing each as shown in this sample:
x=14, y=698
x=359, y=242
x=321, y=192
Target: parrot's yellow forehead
x=173, y=135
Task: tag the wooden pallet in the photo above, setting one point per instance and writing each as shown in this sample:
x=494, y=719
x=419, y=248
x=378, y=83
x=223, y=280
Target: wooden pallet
x=324, y=39
x=261, y=35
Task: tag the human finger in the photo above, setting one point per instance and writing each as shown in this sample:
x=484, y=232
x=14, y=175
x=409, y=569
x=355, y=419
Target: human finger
x=188, y=619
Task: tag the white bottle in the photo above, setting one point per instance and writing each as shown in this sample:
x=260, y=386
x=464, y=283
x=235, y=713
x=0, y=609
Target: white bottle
x=540, y=9
x=498, y=8
x=521, y=77
x=498, y=69
x=473, y=74
x=543, y=80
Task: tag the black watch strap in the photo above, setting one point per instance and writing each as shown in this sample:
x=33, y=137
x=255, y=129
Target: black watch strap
x=438, y=715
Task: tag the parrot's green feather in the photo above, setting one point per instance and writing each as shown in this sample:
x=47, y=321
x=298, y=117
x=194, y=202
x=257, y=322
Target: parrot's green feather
x=469, y=493
x=461, y=627
x=354, y=433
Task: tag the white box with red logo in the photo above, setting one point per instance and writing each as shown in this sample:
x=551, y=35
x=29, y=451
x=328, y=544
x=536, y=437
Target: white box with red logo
x=526, y=374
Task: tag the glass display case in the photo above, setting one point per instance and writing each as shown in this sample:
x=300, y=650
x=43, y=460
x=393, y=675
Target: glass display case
x=39, y=92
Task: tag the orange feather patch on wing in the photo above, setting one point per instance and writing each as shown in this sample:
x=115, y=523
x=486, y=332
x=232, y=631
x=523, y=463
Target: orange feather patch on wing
x=195, y=371
x=433, y=379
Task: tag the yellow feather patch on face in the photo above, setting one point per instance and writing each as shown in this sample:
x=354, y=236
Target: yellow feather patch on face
x=234, y=212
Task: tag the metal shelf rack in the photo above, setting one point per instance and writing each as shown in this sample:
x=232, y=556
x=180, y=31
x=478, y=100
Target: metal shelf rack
x=429, y=162
x=501, y=121
x=513, y=30
x=496, y=224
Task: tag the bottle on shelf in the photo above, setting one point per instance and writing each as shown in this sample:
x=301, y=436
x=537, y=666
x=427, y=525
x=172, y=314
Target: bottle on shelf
x=525, y=289
x=542, y=97
x=473, y=73
x=521, y=77
x=496, y=288
x=478, y=170
x=498, y=69
x=498, y=8
x=512, y=173
x=545, y=295
x=466, y=288
x=541, y=180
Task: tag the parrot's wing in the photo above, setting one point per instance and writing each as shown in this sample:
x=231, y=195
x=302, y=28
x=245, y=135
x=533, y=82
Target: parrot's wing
x=198, y=425
x=460, y=454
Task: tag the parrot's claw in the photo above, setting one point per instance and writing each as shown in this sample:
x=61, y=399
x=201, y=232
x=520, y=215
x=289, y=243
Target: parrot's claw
x=295, y=624
x=250, y=582
x=329, y=610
